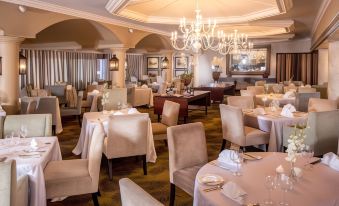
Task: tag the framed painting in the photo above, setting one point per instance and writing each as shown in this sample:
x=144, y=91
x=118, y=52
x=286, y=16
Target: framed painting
x=153, y=72
x=152, y=62
x=181, y=62
x=177, y=73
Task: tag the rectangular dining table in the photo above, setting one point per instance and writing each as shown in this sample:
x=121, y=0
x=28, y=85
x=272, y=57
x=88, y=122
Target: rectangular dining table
x=31, y=163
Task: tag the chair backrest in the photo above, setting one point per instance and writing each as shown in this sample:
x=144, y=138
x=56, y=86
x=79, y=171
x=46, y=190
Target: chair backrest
x=306, y=90
x=278, y=88
x=95, y=154
x=127, y=135
x=7, y=183
x=323, y=131
x=56, y=90
x=232, y=124
x=260, y=83
x=243, y=102
x=302, y=99
x=38, y=125
x=321, y=105
x=46, y=105
x=116, y=96
x=289, y=87
x=186, y=146
x=247, y=93
x=131, y=194
x=170, y=113
x=79, y=101
x=257, y=89
x=32, y=106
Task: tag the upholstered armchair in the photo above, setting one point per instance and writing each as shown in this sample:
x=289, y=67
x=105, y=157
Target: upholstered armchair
x=187, y=154
x=321, y=105
x=76, y=176
x=13, y=190
x=38, y=125
x=76, y=111
x=322, y=134
x=127, y=136
x=32, y=106
x=233, y=129
x=169, y=117
x=257, y=89
x=243, y=102
x=132, y=195
x=302, y=100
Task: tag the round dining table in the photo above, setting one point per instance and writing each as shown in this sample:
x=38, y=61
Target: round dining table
x=318, y=186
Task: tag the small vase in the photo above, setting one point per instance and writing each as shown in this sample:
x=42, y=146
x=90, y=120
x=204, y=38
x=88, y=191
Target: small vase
x=292, y=174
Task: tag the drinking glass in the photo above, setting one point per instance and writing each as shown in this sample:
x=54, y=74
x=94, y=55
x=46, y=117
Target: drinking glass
x=15, y=137
x=286, y=184
x=270, y=185
x=8, y=139
x=237, y=158
x=23, y=131
x=308, y=153
x=264, y=99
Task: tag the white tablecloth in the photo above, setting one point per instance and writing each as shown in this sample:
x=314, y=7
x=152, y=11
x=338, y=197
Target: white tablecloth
x=91, y=119
x=273, y=122
x=318, y=186
x=270, y=97
x=33, y=166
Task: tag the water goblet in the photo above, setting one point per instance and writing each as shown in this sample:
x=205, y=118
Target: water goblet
x=286, y=184
x=308, y=153
x=237, y=158
x=23, y=131
x=270, y=185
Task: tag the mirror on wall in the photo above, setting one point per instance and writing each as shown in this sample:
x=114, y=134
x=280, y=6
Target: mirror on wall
x=253, y=62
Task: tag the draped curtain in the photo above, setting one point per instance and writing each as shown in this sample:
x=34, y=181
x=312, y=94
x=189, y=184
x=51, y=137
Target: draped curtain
x=300, y=66
x=135, y=64
x=46, y=67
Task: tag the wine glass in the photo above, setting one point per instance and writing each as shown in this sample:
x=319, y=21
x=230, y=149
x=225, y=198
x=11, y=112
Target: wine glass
x=286, y=184
x=237, y=158
x=270, y=185
x=15, y=137
x=308, y=153
x=23, y=131
x=264, y=99
x=8, y=139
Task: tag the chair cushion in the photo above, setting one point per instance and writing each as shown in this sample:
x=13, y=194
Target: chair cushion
x=67, y=177
x=256, y=136
x=159, y=128
x=185, y=178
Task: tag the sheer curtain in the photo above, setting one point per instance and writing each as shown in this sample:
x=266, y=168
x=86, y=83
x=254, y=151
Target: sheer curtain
x=135, y=64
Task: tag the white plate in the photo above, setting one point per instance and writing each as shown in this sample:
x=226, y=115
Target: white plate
x=210, y=179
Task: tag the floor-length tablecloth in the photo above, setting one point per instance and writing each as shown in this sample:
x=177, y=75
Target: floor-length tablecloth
x=318, y=186
x=33, y=166
x=273, y=122
x=91, y=119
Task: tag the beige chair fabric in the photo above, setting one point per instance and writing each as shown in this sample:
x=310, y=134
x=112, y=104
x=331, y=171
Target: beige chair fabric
x=115, y=96
x=169, y=117
x=132, y=195
x=247, y=93
x=76, y=176
x=321, y=105
x=76, y=111
x=260, y=83
x=32, y=105
x=278, y=88
x=243, y=102
x=187, y=153
x=233, y=128
x=13, y=191
x=257, y=89
x=322, y=134
x=38, y=125
x=306, y=90
x=139, y=96
x=302, y=100
x=71, y=96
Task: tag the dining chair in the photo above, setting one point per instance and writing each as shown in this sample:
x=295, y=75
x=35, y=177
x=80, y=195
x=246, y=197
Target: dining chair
x=32, y=105
x=131, y=195
x=260, y=83
x=38, y=125
x=322, y=132
x=187, y=154
x=234, y=130
x=77, y=176
x=257, y=89
x=76, y=111
x=321, y=105
x=306, y=90
x=127, y=137
x=13, y=190
x=116, y=96
x=302, y=100
x=243, y=102
x=169, y=117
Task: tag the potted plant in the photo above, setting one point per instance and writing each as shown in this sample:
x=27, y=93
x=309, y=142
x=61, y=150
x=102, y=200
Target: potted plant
x=216, y=69
x=186, y=78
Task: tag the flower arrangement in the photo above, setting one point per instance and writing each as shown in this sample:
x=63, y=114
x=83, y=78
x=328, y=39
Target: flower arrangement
x=296, y=143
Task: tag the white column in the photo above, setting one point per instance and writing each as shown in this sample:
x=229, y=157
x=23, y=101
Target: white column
x=322, y=66
x=118, y=77
x=169, y=71
x=333, y=70
x=195, y=61
x=9, y=80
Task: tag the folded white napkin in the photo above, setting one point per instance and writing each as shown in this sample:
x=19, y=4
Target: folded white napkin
x=259, y=111
x=144, y=86
x=289, y=94
x=234, y=192
x=288, y=110
x=132, y=111
x=332, y=160
x=308, y=86
x=118, y=113
x=34, y=144
x=95, y=91
x=280, y=169
x=225, y=160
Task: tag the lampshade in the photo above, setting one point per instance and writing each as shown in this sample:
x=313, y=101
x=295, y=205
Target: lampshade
x=114, y=63
x=164, y=63
x=22, y=64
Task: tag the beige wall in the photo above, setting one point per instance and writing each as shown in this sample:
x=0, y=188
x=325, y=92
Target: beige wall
x=322, y=66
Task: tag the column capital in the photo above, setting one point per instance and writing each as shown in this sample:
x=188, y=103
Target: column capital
x=118, y=48
x=11, y=39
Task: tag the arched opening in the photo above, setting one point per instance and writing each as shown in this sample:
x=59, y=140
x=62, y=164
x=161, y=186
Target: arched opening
x=154, y=43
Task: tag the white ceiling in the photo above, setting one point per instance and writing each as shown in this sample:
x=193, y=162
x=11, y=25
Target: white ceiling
x=258, y=18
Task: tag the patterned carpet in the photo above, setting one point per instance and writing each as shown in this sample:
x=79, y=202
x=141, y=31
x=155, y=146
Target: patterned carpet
x=157, y=181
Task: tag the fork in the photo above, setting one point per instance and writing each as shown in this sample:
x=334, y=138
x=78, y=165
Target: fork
x=213, y=188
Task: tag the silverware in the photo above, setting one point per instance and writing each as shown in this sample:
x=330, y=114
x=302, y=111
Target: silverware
x=315, y=162
x=255, y=157
x=218, y=187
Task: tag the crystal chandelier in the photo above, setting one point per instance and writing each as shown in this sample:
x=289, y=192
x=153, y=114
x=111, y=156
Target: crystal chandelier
x=232, y=43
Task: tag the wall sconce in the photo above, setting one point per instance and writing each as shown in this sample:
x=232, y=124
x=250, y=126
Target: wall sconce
x=0, y=65
x=164, y=63
x=114, y=63
x=22, y=64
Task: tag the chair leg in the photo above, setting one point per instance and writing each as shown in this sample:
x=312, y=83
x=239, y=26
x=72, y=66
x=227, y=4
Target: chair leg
x=79, y=119
x=267, y=148
x=95, y=199
x=144, y=164
x=110, y=169
x=53, y=130
x=223, y=145
x=172, y=195
x=165, y=141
